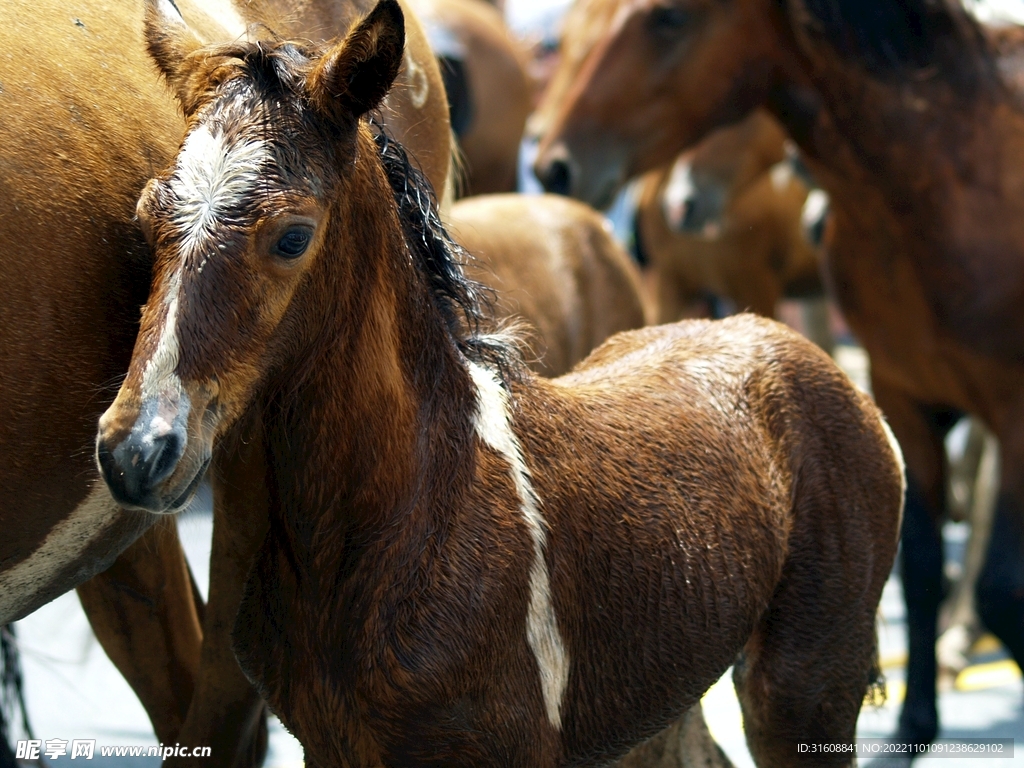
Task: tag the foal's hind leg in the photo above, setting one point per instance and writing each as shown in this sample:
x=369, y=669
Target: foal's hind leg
x=804, y=672
x=921, y=431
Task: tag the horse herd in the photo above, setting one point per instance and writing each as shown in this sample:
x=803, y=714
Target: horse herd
x=425, y=550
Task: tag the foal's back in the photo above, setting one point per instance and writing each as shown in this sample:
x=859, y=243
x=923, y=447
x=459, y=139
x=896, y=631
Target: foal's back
x=725, y=484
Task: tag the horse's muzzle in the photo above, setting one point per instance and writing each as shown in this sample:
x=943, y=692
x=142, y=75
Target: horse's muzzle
x=144, y=468
x=554, y=170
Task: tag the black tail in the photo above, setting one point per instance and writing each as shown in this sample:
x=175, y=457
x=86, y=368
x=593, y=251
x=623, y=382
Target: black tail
x=12, y=695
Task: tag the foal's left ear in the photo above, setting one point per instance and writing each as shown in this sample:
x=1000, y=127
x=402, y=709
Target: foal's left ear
x=169, y=40
x=354, y=76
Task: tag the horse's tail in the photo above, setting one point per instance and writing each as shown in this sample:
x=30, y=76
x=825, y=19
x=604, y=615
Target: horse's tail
x=12, y=695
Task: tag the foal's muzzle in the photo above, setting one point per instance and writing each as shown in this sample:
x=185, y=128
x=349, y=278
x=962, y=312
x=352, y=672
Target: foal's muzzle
x=145, y=465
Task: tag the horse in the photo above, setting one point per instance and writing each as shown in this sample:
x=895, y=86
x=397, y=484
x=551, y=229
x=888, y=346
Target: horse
x=729, y=239
x=77, y=148
x=709, y=226
x=909, y=115
x=554, y=262
x=468, y=564
x=488, y=88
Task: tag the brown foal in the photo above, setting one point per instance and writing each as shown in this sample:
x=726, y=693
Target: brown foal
x=468, y=564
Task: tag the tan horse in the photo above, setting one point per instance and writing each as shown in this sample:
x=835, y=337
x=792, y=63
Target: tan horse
x=554, y=262
x=86, y=123
x=751, y=247
x=467, y=564
x=909, y=115
x=489, y=89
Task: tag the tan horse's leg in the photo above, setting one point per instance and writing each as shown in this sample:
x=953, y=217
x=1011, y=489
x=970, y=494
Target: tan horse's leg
x=961, y=618
x=143, y=611
x=685, y=744
x=226, y=713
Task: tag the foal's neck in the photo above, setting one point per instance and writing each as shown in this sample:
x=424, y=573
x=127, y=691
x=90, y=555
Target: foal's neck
x=380, y=427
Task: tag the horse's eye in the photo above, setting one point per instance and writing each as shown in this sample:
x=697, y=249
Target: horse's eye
x=669, y=18
x=293, y=243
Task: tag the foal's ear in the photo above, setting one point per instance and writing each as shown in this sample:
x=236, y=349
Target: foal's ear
x=169, y=40
x=354, y=76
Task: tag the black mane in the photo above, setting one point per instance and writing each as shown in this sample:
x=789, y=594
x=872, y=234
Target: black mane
x=463, y=303
x=898, y=38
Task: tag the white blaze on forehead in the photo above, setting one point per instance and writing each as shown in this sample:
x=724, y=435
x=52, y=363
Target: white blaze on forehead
x=212, y=177
x=494, y=427
x=159, y=375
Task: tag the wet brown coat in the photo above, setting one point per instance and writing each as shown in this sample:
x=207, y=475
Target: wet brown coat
x=923, y=158
x=704, y=488
x=86, y=123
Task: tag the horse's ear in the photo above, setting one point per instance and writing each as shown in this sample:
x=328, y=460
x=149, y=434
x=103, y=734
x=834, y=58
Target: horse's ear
x=354, y=76
x=169, y=40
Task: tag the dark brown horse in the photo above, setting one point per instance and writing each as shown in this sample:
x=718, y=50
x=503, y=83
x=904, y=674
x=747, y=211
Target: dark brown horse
x=469, y=565
x=909, y=114
x=86, y=122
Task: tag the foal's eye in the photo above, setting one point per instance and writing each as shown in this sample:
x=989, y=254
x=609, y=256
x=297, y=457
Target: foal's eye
x=293, y=243
x=668, y=18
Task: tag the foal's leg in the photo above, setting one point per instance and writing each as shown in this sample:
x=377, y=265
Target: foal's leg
x=143, y=612
x=226, y=712
x=921, y=431
x=687, y=743
x=804, y=672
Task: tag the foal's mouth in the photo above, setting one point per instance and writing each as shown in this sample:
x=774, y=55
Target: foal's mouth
x=190, y=490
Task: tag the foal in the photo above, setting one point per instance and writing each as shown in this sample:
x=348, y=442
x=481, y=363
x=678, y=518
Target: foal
x=466, y=564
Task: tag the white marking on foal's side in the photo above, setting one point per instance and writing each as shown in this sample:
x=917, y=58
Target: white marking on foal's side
x=23, y=585
x=494, y=427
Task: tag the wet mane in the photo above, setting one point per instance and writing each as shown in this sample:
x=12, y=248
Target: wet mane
x=464, y=304
x=906, y=38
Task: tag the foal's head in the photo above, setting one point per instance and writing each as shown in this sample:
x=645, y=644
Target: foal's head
x=243, y=220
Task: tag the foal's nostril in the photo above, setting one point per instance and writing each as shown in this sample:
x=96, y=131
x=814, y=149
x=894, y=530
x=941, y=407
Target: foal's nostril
x=557, y=177
x=108, y=467
x=134, y=469
x=163, y=458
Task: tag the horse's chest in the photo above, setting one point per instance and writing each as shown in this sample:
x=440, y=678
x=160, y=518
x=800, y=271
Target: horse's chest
x=927, y=306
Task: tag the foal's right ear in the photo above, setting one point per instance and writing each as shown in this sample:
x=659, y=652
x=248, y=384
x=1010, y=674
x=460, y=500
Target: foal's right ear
x=169, y=40
x=354, y=76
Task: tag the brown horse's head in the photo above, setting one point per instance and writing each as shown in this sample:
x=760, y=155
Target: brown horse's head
x=238, y=225
x=660, y=75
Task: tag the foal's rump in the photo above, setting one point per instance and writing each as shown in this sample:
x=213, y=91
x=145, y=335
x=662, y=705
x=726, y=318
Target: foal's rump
x=728, y=491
